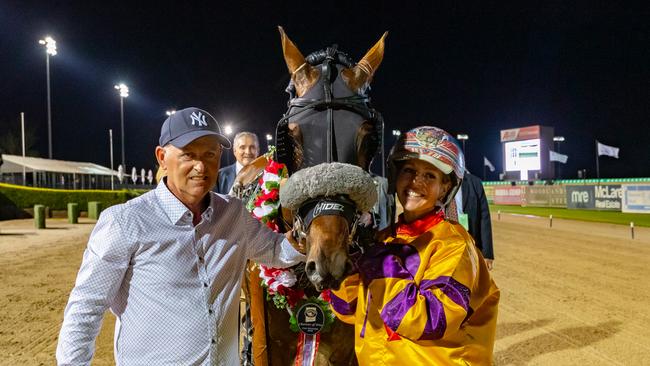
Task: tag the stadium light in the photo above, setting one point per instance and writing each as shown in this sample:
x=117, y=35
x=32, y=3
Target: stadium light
x=228, y=130
x=124, y=92
x=50, y=49
x=463, y=137
x=269, y=138
x=397, y=132
x=557, y=140
x=170, y=112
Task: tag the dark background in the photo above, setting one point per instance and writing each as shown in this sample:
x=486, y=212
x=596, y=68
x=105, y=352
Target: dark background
x=474, y=68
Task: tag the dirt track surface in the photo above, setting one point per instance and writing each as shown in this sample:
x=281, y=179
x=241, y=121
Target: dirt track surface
x=573, y=294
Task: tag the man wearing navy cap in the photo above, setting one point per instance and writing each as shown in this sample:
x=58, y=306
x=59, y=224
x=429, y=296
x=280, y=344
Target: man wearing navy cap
x=168, y=264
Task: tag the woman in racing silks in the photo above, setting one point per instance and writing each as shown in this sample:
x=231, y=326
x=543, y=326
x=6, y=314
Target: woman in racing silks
x=424, y=296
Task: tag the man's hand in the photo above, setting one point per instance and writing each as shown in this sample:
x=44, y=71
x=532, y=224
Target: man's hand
x=296, y=245
x=489, y=263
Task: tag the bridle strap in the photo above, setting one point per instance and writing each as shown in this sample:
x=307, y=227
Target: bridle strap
x=339, y=205
x=327, y=92
x=321, y=206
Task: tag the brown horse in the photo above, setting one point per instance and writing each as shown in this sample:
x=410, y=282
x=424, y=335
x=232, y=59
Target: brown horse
x=329, y=120
x=325, y=224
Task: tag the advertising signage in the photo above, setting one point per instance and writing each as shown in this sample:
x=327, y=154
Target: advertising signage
x=522, y=155
x=507, y=195
x=636, y=198
x=526, y=153
x=521, y=133
x=595, y=197
x=544, y=196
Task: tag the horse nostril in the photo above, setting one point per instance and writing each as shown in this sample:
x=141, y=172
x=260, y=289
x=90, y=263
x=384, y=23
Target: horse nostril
x=310, y=268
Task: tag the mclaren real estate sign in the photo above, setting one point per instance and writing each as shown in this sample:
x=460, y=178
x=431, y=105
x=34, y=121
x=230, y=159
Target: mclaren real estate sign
x=594, y=197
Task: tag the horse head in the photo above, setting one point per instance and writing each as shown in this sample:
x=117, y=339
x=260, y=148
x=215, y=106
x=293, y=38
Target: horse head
x=330, y=118
x=327, y=201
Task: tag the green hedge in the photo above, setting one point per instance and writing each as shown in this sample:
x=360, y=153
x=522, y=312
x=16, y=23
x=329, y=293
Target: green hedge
x=58, y=199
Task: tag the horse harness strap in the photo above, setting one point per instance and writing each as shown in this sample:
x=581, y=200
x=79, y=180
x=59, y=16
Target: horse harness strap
x=359, y=104
x=354, y=103
x=339, y=205
x=322, y=206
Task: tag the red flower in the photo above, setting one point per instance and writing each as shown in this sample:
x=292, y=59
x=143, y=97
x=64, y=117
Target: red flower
x=273, y=195
x=270, y=271
x=325, y=295
x=258, y=202
x=292, y=295
x=274, y=167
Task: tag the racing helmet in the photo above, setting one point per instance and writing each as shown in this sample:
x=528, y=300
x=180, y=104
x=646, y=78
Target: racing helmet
x=433, y=145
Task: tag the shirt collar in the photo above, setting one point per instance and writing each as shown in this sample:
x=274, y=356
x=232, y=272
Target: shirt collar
x=238, y=167
x=420, y=225
x=175, y=210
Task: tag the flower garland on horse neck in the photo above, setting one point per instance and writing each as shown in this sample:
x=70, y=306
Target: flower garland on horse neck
x=281, y=284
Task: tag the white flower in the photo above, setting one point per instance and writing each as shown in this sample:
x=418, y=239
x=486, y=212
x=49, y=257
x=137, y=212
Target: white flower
x=263, y=210
x=287, y=278
x=270, y=177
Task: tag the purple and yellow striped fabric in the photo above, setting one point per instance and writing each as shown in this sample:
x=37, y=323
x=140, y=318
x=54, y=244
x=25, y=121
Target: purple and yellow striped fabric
x=424, y=296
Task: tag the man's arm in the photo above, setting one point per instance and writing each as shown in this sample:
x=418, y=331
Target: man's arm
x=102, y=269
x=266, y=246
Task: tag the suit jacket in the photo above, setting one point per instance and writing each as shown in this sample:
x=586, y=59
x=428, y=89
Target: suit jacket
x=475, y=205
x=226, y=179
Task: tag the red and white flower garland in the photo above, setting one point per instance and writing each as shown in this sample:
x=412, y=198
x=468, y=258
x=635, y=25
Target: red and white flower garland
x=280, y=282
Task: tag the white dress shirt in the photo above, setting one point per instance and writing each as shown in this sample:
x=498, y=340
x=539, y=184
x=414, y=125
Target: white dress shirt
x=173, y=287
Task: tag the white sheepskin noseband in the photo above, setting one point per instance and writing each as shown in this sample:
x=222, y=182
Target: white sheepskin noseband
x=327, y=180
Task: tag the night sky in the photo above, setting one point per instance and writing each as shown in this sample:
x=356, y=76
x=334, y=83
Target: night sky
x=582, y=68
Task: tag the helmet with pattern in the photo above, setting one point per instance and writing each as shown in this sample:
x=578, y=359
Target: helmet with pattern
x=433, y=145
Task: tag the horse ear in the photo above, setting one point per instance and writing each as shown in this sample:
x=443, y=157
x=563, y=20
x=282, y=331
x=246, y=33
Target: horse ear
x=362, y=73
x=292, y=55
x=304, y=76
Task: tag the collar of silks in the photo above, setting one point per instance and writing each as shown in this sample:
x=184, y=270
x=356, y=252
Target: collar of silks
x=420, y=225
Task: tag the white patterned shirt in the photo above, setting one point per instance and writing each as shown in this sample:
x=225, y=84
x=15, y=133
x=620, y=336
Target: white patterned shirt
x=173, y=287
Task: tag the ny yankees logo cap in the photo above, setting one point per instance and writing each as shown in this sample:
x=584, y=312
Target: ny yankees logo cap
x=189, y=124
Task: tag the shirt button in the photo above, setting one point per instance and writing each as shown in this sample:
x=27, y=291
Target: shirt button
x=213, y=341
x=205, y=284
x=201, y=259
x=210, y=311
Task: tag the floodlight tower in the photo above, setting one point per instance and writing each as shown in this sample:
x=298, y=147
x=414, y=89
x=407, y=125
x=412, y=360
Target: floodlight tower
x=228, y=131
x=463, y=137
x=269, y=138
x=124, y=92
x=557, y=140
x=50, y=49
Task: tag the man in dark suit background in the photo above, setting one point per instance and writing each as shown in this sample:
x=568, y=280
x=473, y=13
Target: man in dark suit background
x=246, y=148
x=475, y=205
